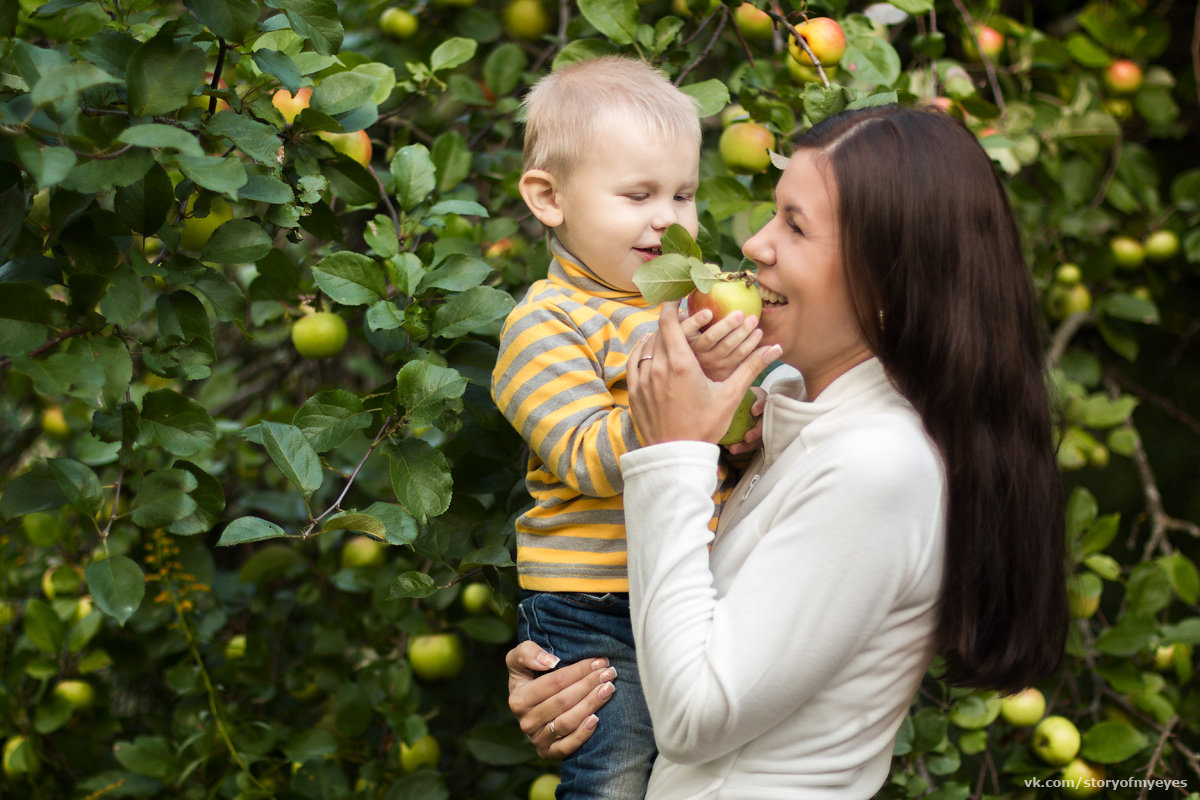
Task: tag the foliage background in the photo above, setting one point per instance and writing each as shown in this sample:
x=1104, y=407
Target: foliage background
x=191, y=509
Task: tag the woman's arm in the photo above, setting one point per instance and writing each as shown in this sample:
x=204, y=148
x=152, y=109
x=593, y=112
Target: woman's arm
x=568, y=697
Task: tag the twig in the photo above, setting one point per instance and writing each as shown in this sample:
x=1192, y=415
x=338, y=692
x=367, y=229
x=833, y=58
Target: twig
x=1196, y=50
x=724, y=14
x=988, y=66
x=222, y=47
x=1062, y=337
x=1158, y=748
x=337, y=504
x=1109, y=176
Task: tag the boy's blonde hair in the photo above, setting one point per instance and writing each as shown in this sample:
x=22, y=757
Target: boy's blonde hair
x=565, y=109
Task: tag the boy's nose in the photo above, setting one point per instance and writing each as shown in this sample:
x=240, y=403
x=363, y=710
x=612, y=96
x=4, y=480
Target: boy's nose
x=664, y=217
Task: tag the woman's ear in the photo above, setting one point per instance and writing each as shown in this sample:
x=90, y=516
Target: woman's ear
x=539, y=189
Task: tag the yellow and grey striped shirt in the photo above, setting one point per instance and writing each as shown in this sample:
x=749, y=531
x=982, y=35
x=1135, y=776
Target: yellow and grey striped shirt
x=560, y=381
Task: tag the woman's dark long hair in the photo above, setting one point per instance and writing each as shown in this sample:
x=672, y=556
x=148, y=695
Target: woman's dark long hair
x=928, y=238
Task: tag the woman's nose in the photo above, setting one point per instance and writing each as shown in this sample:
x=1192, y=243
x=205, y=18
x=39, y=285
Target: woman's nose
x=757, y=248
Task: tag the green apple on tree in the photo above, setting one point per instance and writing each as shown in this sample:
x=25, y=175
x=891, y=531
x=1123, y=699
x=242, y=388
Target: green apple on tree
x=1063, y=300
x=1056, y=740
x=54, y=423
x=290, y=105
x=477, y=598
x=235, y=648
x=734, y=112
x=975, y=711
x=436, y=656
x=398, y=23
x=79, y=695
x=1127, y=251
x=1068, y=274
x=196, y=231
x=544, y=786
x=61, y=581
x=745, y=147
x=320, y=334
x=362, y=552
x=825, y=38
x=424, y=752
x=1123, y=76
x=1024, y=708
x=1161, y=245
x=525, y=19
x=1082, y=779
x=754, y=23
x=1083, y=594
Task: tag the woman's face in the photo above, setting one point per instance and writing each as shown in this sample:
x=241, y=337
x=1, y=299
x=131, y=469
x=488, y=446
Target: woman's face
x=806, y=308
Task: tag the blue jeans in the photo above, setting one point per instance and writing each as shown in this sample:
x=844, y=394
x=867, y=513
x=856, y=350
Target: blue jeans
x=614, y=764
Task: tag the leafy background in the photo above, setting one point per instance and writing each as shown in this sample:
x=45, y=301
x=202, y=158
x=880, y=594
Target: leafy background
x=180, y=488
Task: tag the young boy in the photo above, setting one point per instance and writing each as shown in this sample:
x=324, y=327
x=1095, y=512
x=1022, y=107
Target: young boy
x=612, y=154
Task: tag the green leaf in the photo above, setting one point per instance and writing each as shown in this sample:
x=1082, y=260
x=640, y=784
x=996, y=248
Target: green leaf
x=499, y=745
x=467, y=312
x=238, y=241
x=117, y=585
x=98, y=175
x=44, y=628
x=421, y=479
x=161, y=75
x=494, y=555
x=412, y=584
x=1128, y=307
x=1112, y=742
x=1185, y=579
x=460, y=207
x=147, y=755
x=67, y=81
x=342, y=92
x=231, y=20
x=872, y=61
x=163, y=498
x=249, y=529
x=1086, y=52
x=821, y=102
x=400, y=527
x=329, y=419
x=704, y=275
x=1082, y=509
x=32, y=491
x=1186, y=631
x=453, y=52
x=414, y=174
x=158, y=136
x=315, y=20
x=423, y=389
x=144, y=205
x=380, y=235
x=667, y=277
x=914, y=7
x=210, y=503
x=48, y=165
x=294, y=454
x=350, y=278
x=358, y=522
x=256, y=139
x=676, y=239
x=459, y=273
x=502, y=69
x=223, y=175
x=178, y=424
x=616, y=19
x=1132, y=634
x=79, y=484
x=272, y=562
x=452, y=159
x=281, y=65
x=711, y=96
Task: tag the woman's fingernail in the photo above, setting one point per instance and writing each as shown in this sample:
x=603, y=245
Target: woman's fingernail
x=605, y=690
x=591, y=722
x=609, y=674
x=599, y=663
x=548, y=660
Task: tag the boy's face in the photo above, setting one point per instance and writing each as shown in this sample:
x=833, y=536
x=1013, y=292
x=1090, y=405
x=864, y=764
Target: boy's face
x=622, y=194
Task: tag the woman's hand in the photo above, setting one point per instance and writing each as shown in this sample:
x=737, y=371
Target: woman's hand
x=669, y=394
x=566, y=698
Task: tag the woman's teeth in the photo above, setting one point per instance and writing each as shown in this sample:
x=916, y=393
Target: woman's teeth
x=771, y=298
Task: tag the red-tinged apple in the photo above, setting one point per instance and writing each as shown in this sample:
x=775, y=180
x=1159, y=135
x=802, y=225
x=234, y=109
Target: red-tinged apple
x=525, y=19
x=319, y=335
x=991, y=43
x=1056, y=741
x=290, y=105
x=802, y=73
x=1161, y=245
x=544, y=787
x=398, y=23
x=203, y=101
x=681, y=8
x=356, y=144
x=436, y=656
x=362, y=552
x=1083, y=595
x=825, y=38
x=79, y=695
x=1127, y=251
x=1123, y=76
x=1024, y=708
x=743, y=420
x=734, y=112
x=1082, y=779
x=754, y=23
x=745, y=147
x=732, y=291
x=424, y=752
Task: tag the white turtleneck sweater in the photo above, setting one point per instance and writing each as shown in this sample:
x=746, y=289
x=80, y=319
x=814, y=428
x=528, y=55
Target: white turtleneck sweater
x=781, y=662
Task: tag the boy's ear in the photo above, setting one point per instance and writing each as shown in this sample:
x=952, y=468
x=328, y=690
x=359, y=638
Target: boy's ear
x=539, y=189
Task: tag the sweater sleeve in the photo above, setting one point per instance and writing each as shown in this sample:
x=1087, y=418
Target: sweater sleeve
x=550, y=385
x=720, y=669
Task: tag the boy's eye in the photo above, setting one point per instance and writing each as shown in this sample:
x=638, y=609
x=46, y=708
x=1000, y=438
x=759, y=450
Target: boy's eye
x=683, y=198
x=637, y=197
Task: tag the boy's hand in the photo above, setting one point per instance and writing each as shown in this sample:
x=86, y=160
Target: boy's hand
x=725, y=344
x=753, y=439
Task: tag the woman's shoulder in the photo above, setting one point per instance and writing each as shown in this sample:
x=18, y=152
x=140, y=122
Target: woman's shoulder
x=887, y=448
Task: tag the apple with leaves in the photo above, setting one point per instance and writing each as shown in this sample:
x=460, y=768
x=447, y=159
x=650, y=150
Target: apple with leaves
x=1123, y=76
x=436, y=656
x=424, y=752
x=398, y=23
x=1024, y=708
x=754, y=23
x=1082, y=779
x=319, y=335
x=745, y=147
x=290, y=105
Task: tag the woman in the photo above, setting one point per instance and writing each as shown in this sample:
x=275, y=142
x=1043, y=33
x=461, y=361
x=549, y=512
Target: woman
x=906, y=501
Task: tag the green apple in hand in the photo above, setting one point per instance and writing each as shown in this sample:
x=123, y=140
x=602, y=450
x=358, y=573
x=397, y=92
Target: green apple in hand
x=731, y=291
x=743, y=420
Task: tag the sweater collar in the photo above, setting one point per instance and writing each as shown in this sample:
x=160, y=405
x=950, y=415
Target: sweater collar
x=788, y=413
x=568, y=271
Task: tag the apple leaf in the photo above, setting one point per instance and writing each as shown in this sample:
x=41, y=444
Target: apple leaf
x=704, y=275
x=668, y=277
x=118, y=585
x=1111, y=742
x=676, y=239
